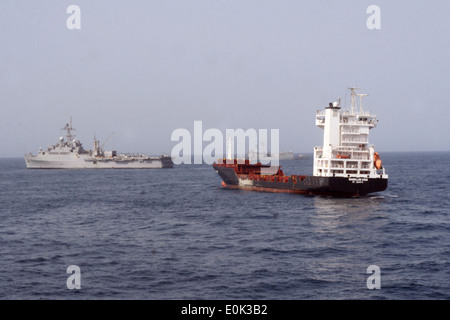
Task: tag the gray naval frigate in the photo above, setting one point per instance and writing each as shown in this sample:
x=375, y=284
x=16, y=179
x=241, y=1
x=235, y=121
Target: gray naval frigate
x=69, y=154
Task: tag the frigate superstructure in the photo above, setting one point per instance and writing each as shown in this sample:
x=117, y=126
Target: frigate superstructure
x=69, y=153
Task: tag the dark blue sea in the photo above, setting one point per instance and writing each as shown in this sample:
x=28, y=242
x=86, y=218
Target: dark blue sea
x=177, y=234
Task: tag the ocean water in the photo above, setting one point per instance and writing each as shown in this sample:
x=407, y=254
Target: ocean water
x=177, y=234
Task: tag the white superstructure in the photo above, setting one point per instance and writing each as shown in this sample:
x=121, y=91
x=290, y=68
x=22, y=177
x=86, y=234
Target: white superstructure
x=346, y=151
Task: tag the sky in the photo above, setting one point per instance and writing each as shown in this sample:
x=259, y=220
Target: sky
x=142, y=69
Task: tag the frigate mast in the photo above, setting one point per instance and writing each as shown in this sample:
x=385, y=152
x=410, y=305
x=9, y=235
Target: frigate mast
x=68, y=127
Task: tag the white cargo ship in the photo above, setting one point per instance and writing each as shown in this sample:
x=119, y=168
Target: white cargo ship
x=346, y=164
x=69, y=153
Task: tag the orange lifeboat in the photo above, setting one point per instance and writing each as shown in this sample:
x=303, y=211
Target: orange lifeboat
x=377, y=161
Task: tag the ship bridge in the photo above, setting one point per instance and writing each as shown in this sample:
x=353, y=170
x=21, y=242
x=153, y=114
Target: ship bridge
x=346, y=151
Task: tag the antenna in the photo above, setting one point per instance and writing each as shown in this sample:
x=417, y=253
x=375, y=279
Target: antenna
x=353, y=102
x=69, y=129
x=361, y=96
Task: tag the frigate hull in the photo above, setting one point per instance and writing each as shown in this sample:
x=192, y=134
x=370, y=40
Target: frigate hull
x=82, y=162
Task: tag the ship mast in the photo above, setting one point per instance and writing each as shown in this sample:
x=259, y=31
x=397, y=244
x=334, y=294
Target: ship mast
x=230, y=149
x=353, y=101
x=361, y=96
x=68, y=127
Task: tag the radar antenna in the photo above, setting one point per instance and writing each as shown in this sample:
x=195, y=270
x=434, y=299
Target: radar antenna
x=68, y=127
x=353, y=101
x=361, y=96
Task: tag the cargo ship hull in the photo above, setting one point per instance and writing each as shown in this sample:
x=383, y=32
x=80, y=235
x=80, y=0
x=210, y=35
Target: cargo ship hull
x=314, y=185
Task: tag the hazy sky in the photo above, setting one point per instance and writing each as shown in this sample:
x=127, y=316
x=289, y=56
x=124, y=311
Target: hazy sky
x=142, y=69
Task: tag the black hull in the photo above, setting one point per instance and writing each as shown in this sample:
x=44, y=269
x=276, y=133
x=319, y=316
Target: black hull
x=337, y=186
x=166, y=162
